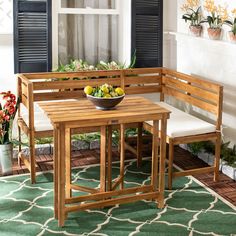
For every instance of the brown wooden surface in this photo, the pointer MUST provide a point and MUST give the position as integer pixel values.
(86, 114)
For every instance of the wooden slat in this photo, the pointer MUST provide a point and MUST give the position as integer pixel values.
(142, 71)
(60, 75)
(143, 89)
(24, 90)
(194, 101)
(23, 126)
(83, 188)
(47, 96)
(199, 92)
(193, 172)
(113, 201)
(24, 101)
(109, 116)
(98, 196)
(195, 138)
(143, 79)
(207, 84)
(72, 84)
(117, 182)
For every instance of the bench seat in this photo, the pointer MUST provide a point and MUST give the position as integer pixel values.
(182, 124)
(41, 121)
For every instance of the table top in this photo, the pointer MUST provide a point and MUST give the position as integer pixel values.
(82, 113)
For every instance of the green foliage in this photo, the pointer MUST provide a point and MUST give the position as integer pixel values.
(194, 16)
(196, 148)
(214, 20)
(228, 154)
(231, 24)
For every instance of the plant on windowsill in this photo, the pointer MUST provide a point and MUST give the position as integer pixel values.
(232, 23)
(215, 19)
(193, 14)
(8, 109)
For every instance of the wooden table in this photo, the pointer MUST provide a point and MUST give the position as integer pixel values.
(68, 115)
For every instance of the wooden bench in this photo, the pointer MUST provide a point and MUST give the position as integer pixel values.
(157, 84)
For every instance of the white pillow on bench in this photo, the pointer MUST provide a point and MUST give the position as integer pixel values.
(183, 124)
(41, 121)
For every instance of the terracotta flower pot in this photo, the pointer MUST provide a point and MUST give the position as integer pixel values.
(196, 30)
(232, 37)
(214, 33)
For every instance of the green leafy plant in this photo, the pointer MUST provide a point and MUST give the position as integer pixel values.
(192, 11)
(232, 22)
(217, 14)
(194, 17)
(196, 148)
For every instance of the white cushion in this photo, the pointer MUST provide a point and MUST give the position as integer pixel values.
(182, 124)
(41, 121)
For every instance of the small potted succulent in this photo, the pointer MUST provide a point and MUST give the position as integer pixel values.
(193, 14)
(8, 109)
(232, 23)
(215, 19)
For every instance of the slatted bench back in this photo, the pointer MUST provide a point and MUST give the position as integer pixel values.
(141, 81)
(59, 86)
(200, 93)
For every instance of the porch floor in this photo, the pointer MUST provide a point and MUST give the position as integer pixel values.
(226, 187)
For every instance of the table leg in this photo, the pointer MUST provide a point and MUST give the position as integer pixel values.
(139, 144)
(55, 167)
(122, 154)
(109, 158)
(155, 154)
(162, 162)
(61, 176)
(68, 163)
(103, 160)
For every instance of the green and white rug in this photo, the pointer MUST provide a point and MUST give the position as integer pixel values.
(191, 209)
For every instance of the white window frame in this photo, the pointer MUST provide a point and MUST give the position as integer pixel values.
(118, 10)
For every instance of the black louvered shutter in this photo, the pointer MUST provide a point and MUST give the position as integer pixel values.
(32, 36)
(147, 32)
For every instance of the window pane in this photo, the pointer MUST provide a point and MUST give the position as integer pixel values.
(88, 37)
(95, 4)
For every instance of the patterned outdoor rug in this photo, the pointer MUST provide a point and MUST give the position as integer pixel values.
(191, 209)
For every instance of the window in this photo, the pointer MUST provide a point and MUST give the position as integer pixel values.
(88, 29)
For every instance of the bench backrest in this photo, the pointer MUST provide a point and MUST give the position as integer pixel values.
(200, 93)
(35, 87)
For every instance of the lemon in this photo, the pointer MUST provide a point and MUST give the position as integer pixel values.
(88, 90)
(107, 96)
(119, 91)
(105, 90)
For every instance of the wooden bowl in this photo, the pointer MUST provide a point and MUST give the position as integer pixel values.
(105, 103)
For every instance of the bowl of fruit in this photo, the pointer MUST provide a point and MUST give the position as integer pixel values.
(104, 97)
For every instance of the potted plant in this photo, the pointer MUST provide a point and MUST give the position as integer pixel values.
(8, 109)
(218, 15)
(193, 15)
(232, 23)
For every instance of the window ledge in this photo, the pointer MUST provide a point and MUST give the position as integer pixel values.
(203, 39)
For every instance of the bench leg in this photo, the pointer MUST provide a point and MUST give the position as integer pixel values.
(217, 157)
(32, 158)
(170, 164)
